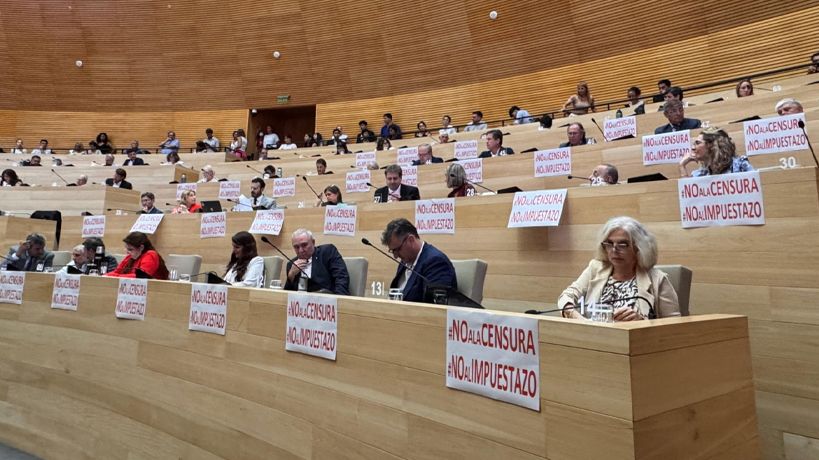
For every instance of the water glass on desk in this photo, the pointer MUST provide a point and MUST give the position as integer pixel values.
(184, 277)
(276, 284)
(396, 294)
(173, 274)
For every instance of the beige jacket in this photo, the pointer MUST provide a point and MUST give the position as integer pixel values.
(653, 285)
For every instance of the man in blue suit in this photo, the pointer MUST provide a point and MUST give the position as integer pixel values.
(322, 267)
(424, 259)
(30, 255)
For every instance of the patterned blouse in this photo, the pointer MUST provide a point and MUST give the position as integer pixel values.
(615, 290)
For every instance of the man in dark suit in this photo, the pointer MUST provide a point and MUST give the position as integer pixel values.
(317, 268)
(494, 145)
(395, 190)
(401, 238)
(30, 255)
(133, 160)
(118, 180)
(147, 199)
(425, 156)
(675, 113)
(576, 135)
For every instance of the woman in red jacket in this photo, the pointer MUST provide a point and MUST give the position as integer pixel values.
(142, 256)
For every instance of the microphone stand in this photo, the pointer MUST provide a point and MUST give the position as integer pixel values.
(286, 257)
(802, 127)
(253, 169)
(58, 175)
(475, 183)
(312, 189)
(599, 128)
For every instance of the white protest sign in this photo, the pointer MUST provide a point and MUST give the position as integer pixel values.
(357, 181)
(213, 225)
(339, 220)
(554, 162)
(726, 199)
(409, 175)
(268, 222)
(435, 216)
(182, 187)
(493, 355)
(473, 169)
(363, 159)
(11, 287)
(465, 150)
(66, 293)
(93, 226)
(147, 223)
(407, 155)
(541, 208)
(666, 148)
(208, 308)
(312, 325)
(774, 135)
(230, 190)
(615, 128)
(285, 186)
(132, 298)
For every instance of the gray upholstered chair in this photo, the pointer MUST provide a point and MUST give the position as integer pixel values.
(60, 258)
(272, 269)
(357, 268)
(680, 277)
(185, 264)
(471, 274)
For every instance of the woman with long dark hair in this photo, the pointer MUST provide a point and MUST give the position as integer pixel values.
(141, 256)
(245, 268)
(332, 196)
(10, 179)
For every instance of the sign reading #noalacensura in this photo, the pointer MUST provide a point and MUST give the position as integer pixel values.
(726, 199)
(541, 208)
(312, 325)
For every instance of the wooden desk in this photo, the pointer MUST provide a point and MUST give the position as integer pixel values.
(14, 229)
(95, 199)
(85, 384)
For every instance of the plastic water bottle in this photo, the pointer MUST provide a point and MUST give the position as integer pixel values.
(618, 114)
(183, 179)
(303, 281)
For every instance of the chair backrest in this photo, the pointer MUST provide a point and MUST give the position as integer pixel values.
(471, 274)
(61, 258)
(184, 264)
(272, 269)
(119, 257)
(357, 267)
(680, 277)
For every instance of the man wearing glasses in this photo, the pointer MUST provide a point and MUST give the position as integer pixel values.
(417, 258)
(316, 268)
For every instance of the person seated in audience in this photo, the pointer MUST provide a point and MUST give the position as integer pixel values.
(260, 141)
(79, 149)
(135, 148)
(580, 103)
(30, 255)
(133, 159)
(545, 122)
(446, 123)
(427, 262)
(366, 135)
(208, 175)
(456, 181)
(142, 256)
(788, 107)
(425, 156)
(95, 255)
(622, 275)
(78, 260)
(42, 149)
(34, 161)
(477, 123)
(373, 166)
(422, 130)
(269, 172)
(635, 102)
(102, 143)
(675, 114)
(576, 136)
(341, 148)
(316, 268)
(172, 159)
(170, 144)
(82, 180)
(246, 267)
(494, 145)
(716, 153)
(521, 116)
(385, 130)
(383, 144)
(745, 88)
(187, 203)
(10, 179)
(662, 87)
(118, 181)
(258, 200)
(336, 137)
(18, 148)
(208, 144)
(443, 138)
(239, 145)
(395, 190)
(674, 93)
(109, 160)
(313, 140)
(288, 143)
(814, 63)
(321, 167)
(604, 174)
(332, 196)
(147, 200)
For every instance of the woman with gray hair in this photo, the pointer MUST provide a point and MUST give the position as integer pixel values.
(622, 274)
(456, 180)
(716, 153)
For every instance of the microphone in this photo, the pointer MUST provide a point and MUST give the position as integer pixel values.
(312, 189)
(475, 183)
(239, 204)
(652, 314)
(286, 257)
(371, 185)
(123, 210)
(598, 127)
(543, 312)
(58, 175)
(578, 178)
(254, 169)
(802, 127)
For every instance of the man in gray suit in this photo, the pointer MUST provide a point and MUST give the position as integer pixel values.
(257, 198)
(30, 255)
